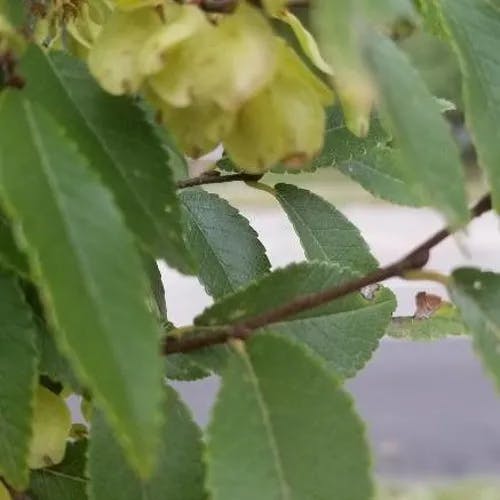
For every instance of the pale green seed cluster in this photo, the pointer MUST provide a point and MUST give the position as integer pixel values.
(224, 78)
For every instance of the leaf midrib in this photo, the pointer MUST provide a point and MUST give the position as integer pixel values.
(79, 258)
(266, 420)
(108, 154)
(208, 247)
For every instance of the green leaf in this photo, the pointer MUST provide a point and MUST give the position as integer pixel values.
(324, 232)
(429, 10)
(380, 173)
(115, 134)
(477, 295)
(341, 145)
(370, 161)
(338, 26)
(344, 332)
(433, 328)
(11, 256)
(179, 473)
(158, 304)
(176, 159)
(183, 367)
(15, 11)
(227, 249)
(65, 481)
(474, 29)
(177, 366)
(52, 363)
(282, 428)
(427, 151)
(88, 269)
(18, 359)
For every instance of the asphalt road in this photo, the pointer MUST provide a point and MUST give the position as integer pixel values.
(429, 408)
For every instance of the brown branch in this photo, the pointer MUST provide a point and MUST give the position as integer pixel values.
(212, 178)
(416, 259)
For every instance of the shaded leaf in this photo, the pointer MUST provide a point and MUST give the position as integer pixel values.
(18, 359)
(477, 295)
(426, 149)
(381, 175)
(124, 149)
(10, 255)
(179, 472)
(227, 249)
(341, 145)
(301, 437)
(435, 327)
(183, 367)
(324, 232)
(88, 269)
(177, 162)
(15, 11)
(344, 332)
(338, 26)
(65, 481)
(474, 30)
(429, 10)
(52, 363)
(158, 304)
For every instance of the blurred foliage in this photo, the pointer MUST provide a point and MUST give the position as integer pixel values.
(437, 64)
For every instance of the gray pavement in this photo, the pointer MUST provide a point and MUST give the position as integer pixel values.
(429, 409)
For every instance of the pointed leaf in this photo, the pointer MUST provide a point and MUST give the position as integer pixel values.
(123, 147)
(477, 295)
(344, 332)
(301, 437)
(90, 274)
(474, 29)
(324, 232)
(228, 250)
(427, 151)
(179, 472)
(18, 359)
(65, 481)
